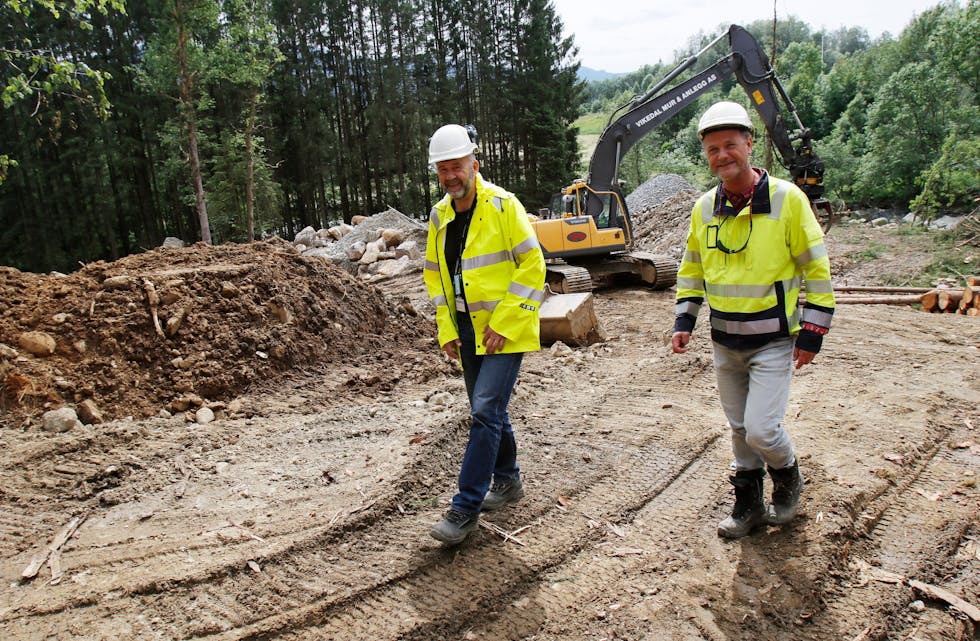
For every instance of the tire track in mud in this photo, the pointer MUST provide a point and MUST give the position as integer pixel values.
(905, 533)
(445, 593)
(202, 597)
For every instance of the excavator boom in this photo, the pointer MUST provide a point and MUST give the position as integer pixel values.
(590, 240)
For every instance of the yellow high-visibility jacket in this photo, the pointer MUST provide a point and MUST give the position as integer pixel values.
(773, 243)
(502, 267)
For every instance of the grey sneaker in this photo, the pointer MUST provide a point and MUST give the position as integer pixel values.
(503, 493)
(454, 527)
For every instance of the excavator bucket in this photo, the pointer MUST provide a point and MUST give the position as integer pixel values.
(571, 319)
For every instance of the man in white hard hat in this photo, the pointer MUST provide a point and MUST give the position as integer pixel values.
(753, 239)
(484, 271)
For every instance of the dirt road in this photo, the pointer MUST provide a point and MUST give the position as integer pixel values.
(308, 518)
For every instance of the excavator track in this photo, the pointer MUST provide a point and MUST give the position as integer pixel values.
(568, 279)
(659, 272)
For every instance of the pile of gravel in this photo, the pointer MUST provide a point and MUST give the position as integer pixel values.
(660, 210)
(657, 190)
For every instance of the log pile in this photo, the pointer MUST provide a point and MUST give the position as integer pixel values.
(949, 300)
(954, 300)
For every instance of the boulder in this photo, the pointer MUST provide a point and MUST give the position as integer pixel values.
(306, 236)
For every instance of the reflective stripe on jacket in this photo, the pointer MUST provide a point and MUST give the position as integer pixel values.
(753, 292)
(503, 270)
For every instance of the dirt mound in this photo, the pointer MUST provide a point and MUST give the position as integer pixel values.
(227, 317)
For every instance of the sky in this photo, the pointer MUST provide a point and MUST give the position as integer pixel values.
(624, 35)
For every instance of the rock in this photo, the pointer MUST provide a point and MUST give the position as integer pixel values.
(60, 420)
(80, 346)
(306, 236)
(60, 318)
(116, 282)
(204, 415)
(947, 222)
(230, 290)
(173, 243)
(357, 220)
(408, 248)
(392, 237)
(355, 251)
(878, 222)
(37, 343)
(440, 400)
(89, 412)
(390, 268)
(221, 467)
(8, 352)
(561, 349)
(371, 253)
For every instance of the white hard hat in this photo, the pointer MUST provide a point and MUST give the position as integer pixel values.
(450, 142)
(724, 115)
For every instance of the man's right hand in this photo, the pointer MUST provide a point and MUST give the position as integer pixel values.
(679, 341)
(452, 349)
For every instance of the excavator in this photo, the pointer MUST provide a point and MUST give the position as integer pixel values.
(588, 240)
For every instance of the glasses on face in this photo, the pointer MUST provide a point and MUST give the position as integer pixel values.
(713, 239)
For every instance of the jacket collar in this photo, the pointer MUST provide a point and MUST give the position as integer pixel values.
(760, 199)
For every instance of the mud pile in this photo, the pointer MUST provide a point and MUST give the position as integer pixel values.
(226, 317)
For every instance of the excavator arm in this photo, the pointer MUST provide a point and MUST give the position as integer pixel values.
(750, 66)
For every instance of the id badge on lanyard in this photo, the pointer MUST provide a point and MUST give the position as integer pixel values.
(458, 291)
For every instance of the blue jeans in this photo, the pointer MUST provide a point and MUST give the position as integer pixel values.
(491, 451)
(754, 388)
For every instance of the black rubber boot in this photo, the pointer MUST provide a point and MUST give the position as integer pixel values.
(786, 486)
(750, 507)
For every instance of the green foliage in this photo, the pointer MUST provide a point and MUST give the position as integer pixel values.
(226, 191)
(332, 102)
(952, 182)
(32, 67)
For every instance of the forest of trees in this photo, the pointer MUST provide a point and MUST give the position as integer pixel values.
(227, 120)
(896, 121)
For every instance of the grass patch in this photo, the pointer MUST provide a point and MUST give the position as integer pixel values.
(591, 124)
(871, 252)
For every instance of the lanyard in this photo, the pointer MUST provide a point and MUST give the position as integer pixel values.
(458, 268)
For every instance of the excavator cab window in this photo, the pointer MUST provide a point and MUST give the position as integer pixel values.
(608, 204)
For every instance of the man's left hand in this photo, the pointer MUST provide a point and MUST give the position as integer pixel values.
(802, 357)
(493, 341)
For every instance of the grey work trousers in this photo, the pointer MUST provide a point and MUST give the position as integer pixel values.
(753, 385)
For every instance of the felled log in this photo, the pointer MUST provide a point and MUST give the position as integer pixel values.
(895, 299)
(970, 298)
(949, 299)
(909, 299)
(881, 289)
(930, 301)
